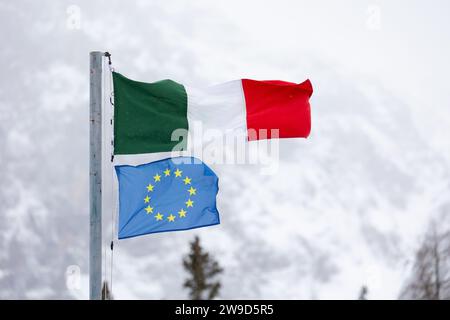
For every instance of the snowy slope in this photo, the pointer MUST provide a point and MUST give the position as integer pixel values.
(345, 208)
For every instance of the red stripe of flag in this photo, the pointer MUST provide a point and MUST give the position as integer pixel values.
(277, 105)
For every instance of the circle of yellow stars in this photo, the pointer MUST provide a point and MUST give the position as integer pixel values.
(182, 212)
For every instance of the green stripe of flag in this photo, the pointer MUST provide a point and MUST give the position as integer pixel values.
(146, 114)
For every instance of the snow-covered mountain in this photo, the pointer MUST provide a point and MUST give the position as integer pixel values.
(345, 208)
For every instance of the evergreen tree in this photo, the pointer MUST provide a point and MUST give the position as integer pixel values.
(203, 271)
(363, 293)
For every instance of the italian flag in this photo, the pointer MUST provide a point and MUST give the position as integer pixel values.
(147, 114)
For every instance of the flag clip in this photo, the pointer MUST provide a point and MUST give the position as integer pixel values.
(108, 56)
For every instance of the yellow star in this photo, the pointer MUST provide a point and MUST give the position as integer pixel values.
(147, 199)
(189, 203)
(149, 209)
(171, 218)
(187, 180)
(167, 172)
(182, 213)
(159, 216)
(150, 187)
(178, 173)
(157, 178)
(192, 191)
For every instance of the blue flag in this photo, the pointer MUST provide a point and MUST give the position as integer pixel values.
(167, 195)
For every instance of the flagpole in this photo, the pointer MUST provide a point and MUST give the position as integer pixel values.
(95, 176)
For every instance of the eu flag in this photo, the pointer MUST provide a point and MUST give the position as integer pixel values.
(167, 195)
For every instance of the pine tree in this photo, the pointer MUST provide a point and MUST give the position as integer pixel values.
(203, 271)
(363, 293)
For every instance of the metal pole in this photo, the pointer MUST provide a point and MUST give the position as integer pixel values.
(95, 176)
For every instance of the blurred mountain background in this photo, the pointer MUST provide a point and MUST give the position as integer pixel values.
(348, 207)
